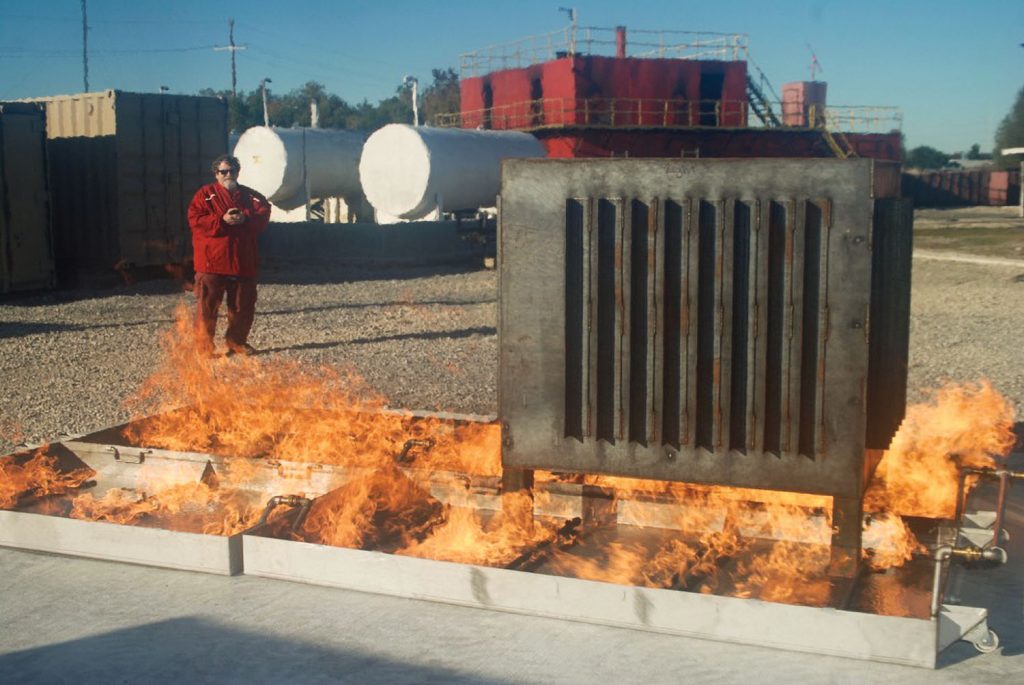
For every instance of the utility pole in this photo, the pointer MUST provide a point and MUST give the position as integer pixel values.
(414, 82)
(266, 113)
(85, 47)
(232, 48)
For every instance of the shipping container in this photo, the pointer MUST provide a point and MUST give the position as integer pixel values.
(123, 168)
(26, 249)
(962, 187)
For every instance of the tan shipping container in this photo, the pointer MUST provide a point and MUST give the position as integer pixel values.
(26, 249)
(123, 168)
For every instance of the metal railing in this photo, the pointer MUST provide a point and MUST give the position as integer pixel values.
(601, 112)
(666, 113)
(592, 40)
(863, 118)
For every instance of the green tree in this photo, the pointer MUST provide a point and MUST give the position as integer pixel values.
(441, 96)
(1011, 134)
(925, 157)
(976, 153)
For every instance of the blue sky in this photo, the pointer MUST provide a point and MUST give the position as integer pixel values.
(952, 67)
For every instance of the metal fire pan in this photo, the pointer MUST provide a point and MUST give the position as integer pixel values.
(115, 542)
(30, 527)
(909, 641)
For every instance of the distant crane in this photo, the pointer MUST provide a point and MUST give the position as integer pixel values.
(815, 63)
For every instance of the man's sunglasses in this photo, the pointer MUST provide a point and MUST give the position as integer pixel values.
(225, 172)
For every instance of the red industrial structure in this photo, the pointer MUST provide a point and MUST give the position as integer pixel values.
(684, 94)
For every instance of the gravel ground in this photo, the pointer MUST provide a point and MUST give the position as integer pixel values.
(424, 338)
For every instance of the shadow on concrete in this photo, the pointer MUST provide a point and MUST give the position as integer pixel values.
(432, 335)
(368, 305)
(18, 329)
(297, 273)
(193, 650)
(272, 272)
(163, 285)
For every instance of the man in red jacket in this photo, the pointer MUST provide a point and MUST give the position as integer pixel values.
(226, 219)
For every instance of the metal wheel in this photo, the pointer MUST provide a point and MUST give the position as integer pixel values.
(988, 643)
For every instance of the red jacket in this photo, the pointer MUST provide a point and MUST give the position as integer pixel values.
(220, 248)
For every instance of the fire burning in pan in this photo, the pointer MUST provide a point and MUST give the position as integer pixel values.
(427, 487)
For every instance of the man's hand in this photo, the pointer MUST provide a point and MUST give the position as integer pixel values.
(234, 216)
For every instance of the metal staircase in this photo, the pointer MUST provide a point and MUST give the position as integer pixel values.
(760, 105)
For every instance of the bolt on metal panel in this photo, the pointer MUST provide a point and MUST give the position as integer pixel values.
(689, 320)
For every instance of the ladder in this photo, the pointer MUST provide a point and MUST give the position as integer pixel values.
(838, 143)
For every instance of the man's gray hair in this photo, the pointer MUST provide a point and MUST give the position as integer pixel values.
(230, 159)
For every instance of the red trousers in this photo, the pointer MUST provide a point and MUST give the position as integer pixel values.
(210, 289)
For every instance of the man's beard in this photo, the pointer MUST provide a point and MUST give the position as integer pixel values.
(229, 183)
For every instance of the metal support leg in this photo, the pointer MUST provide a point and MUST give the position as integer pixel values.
(847, 515)
(517, 494)
(598, 506)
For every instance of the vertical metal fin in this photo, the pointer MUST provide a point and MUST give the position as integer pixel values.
(795, 268)
(674, 260)
(623, 263)
(759, 328)
(744, 281)
(724, 325)
(640, 321)
(576, 314)
(814, 279)
(592, 274)
(690, 382)
(655, 324)
(708, 297)
(776, 328)
(606, 335)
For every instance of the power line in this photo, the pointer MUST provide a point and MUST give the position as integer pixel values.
(31, 52)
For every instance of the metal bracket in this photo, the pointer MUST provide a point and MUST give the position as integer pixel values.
(424, 445)
(126, 457)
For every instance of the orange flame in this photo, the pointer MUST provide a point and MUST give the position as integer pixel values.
(191, 507)
(39, 476)
(960, 426)
(249, 407)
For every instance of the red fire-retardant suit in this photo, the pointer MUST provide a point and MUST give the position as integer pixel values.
(226, 259)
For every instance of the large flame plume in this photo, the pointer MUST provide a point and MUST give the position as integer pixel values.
(397, 479)
(967, 425)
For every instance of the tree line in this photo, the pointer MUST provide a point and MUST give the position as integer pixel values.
(293, 108)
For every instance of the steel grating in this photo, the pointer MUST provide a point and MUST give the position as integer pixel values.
(691, 320)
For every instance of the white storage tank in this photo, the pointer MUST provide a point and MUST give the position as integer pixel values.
(292, 165)
(407, 172)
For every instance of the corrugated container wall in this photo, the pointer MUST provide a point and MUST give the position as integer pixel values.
(124, 167)
(26, 250)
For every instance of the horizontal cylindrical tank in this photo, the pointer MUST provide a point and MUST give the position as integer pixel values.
(291, 165)
(408, 171)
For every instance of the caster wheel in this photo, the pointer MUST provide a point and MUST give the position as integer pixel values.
(987, 644)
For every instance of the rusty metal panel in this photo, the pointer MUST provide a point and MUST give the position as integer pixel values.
(690, 320)
(125, 166)
(26, 248)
